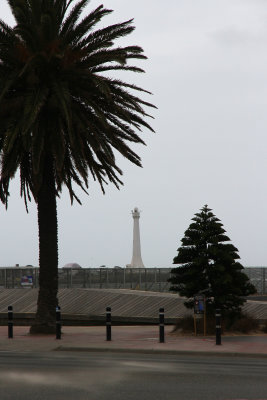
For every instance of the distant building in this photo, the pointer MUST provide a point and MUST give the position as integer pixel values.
(72, 266)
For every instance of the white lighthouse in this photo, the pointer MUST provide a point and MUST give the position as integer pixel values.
(136, 259)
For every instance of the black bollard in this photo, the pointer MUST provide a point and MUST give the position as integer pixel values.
(218, 327)
(58, 323)
(161, 325)
(10, 322)
(108, 323)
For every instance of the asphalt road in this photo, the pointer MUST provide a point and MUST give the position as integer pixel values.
(114, 376)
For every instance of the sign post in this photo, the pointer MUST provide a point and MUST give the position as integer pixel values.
(199, 309)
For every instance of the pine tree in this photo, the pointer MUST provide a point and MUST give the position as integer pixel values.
(209, 266)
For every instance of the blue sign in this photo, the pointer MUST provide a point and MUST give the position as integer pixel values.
(199, 304)
(26, 280)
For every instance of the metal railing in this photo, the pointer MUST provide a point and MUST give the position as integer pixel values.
(151, 279)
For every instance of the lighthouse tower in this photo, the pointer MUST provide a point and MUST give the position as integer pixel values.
(136, 259)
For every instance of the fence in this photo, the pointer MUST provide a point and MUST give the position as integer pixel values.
(151, 279)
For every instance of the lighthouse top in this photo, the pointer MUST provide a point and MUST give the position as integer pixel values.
(136, 213)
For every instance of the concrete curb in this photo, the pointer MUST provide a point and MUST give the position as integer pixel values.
(160, 351)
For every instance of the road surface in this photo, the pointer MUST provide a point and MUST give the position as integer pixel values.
(115, 376)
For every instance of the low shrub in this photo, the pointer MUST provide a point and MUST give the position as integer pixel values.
(264, 327)
(240, 324)
(245, 324)
(184, 325)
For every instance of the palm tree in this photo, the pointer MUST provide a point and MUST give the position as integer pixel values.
(62, 116)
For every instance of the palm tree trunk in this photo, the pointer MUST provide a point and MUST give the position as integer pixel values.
(48, 253)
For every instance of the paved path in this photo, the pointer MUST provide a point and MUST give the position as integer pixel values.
(130, 338)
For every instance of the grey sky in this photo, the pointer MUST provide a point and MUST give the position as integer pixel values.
(207, 69)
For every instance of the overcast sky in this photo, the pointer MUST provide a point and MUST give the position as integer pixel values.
(207, 69)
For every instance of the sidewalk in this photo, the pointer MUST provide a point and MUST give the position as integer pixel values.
(143, 339)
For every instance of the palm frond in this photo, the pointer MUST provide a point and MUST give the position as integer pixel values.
(57, 102)
(73, 16)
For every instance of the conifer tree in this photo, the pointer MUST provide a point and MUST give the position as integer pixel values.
(209, 266)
